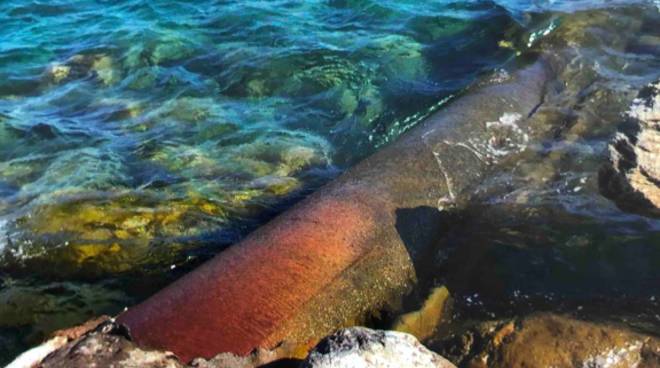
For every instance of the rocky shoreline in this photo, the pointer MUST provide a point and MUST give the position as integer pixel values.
(536, 341)
(630, 177)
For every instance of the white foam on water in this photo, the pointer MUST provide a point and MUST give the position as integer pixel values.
(535, 36)
(646, 111)
(516, 139)
(442, 202)
(507, 119)
(3, 234)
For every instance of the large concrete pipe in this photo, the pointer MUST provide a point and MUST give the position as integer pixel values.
(351, 247)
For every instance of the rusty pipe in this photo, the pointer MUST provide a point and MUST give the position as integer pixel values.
(346, 250)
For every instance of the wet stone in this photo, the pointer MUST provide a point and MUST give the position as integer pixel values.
(104, 343)
(360, 347)
(107, 346)
(548, 340)
(632, 176)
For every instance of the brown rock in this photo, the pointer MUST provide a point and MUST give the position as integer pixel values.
(107, 346)
(548, 340)
(77, 331)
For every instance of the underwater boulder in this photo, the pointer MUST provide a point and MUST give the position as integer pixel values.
(404, 57)
(101, 66)
(89, 237)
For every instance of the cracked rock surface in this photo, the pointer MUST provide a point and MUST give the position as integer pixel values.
(632, 176)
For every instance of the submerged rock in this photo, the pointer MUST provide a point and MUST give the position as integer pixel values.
(67, 305)
(549, 340)
(277, 185)
(362, 347)
(100, 66)
(632, 176)
(97, 235)
(403, 56)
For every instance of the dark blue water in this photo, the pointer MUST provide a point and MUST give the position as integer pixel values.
(138, 138)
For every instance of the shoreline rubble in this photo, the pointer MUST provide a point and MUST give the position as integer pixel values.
(535, 341)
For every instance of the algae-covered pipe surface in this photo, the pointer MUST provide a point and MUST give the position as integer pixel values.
(350, 248)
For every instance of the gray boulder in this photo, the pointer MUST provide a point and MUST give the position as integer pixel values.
(632, 176)
(360, 347)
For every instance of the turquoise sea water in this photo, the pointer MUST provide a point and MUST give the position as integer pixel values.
(138, 138)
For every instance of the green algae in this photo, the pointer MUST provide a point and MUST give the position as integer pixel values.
(189, 109)
(433, 28)
(79, 171)
(280, 153)
(114, 230)
(108, 236)
(143, 78)
(164, 47)
(171, 48)
(403, 56)
(213, 131)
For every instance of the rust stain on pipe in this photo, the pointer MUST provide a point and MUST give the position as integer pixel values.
(245, 297)
(339, 254)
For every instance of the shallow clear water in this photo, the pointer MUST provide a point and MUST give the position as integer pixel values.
(139, 138)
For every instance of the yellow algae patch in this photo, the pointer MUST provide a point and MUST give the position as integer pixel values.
(296, 158)
(100, 65)
(122, 218)
(503, 332)
(283, 187)
(134, 109)
(505, 44)
(59, 72)
(276, 185)
(423, 323)
(122, 234)
(105, 69)
(116, 233)
(186, 158)
(86, 251)
(243, 196)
